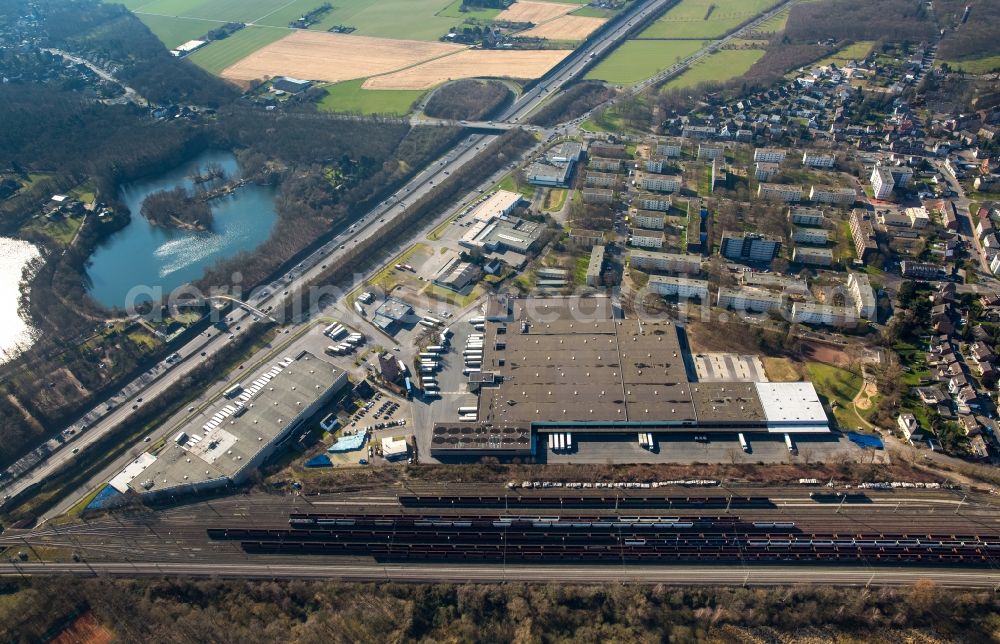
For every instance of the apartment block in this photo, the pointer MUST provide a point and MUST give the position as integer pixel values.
(656, 164)
(810, 236)
(645, 260)
(863, 233)
(648, 219)
(684, 288)
(749, 299)
(882, 182)
(813, 256)
(710, 152)
(750, 247)
(601, 180)
(586, 238)
(813, 313)
(779, 192)
(669, 149)
(660, 182)
(646, 238)
(653, 202)
(765, 171)
(769, 155)
(606, 164)
(838, 196)
(597, 195)
(862, 295)
(818, 160)
(806, 216)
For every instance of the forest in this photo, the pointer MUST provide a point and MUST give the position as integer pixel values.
(185, 610)
(572, 102)
(473, 100)
(978, 36)
(887, 20)
(177, 208)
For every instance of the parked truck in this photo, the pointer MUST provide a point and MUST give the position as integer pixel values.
(744, 444)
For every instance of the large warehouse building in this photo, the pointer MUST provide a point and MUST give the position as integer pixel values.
(559, 364)
(236, 433)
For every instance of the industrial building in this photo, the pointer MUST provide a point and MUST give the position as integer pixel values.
(556, 167)
(235, 434)
(568, 365)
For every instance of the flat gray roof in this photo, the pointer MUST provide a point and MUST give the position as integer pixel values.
(274, 396)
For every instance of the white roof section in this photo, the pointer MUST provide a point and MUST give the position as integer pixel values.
(792, 406)
(394, 447)
(190, 46)
(497, 205)
(132, 470)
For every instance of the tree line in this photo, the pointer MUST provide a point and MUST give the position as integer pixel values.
(307, 611)
(469, 99)
(572, 102)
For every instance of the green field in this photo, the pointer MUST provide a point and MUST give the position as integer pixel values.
(637, 60)
(775, 23)
(977, 65)
(413, 19)
(176, 31)
(720, 66)
(687, 19)
(839, 387)
(218, 55)
(454, 11)
(350, 97)
(855, 51)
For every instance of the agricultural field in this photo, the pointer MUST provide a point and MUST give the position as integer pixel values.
(705, 18)
(218, 55)
(637, 60)
(349, 96)
(336, 57)
(718, 67)
(471, 63)
(535, 12)
(567, 27)
(454, 11)
(175, 31)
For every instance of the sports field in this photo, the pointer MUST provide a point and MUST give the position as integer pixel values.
(471, 63)
(349, 96)
(705, 18)
(637, 60)
(565, 28)
(535, 12)
(335, 57)
(720, 66)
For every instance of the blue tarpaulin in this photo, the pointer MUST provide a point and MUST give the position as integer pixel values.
(105, 498)
(348, 443)
(319, 461)
(866, 440)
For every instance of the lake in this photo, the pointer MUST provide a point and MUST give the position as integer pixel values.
(15, 333)
(147, 256)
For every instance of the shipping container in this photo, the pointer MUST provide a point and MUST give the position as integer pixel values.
(477, 320)
(361, 311)
(569, 442)
(468, 410)
(468, 418)
(552, 442)
(435, 348)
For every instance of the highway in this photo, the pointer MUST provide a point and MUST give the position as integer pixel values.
(105, 418)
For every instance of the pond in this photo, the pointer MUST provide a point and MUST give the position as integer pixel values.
(142, 256)
(15, 332)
